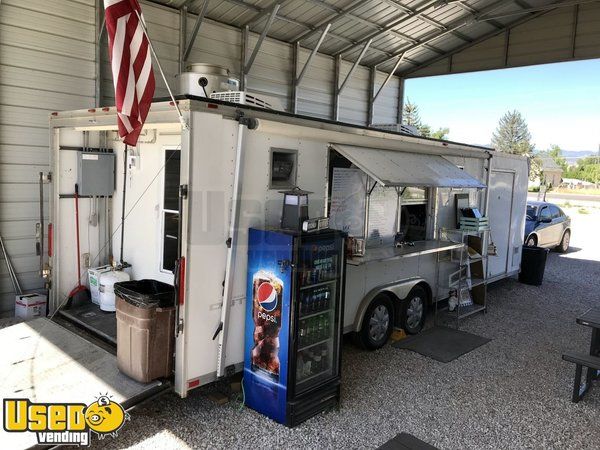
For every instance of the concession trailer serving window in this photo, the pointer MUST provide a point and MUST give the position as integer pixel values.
(376, 193)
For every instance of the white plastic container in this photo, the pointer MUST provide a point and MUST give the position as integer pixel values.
(107, 288)
(94, 274)
(30, 306)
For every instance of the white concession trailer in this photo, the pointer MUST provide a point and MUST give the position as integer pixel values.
(194, 191)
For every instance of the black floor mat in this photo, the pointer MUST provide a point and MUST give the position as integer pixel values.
(405, 441)
(442, 344)
(91, 317)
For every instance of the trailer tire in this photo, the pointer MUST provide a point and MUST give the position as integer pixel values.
(413, 310)
(377, 323)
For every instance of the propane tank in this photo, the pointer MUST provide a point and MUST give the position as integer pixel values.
(107, 288)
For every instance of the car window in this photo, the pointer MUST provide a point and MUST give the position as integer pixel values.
(554, 211)
(545, 213)
(531, 212)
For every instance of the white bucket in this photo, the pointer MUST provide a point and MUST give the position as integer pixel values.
(107, 285)
(94, 274)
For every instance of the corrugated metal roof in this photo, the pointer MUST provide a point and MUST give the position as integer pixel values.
(417, 31)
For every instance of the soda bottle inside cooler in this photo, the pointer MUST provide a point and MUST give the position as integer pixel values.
(324, 356)
(327, 299)
(317, 361)
(326, 326)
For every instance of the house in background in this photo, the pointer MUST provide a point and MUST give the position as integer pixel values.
(551, 172)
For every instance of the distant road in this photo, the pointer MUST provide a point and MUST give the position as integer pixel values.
(552, 196)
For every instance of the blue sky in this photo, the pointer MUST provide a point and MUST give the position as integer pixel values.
(560, 102)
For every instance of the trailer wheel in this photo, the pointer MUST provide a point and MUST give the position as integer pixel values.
(413, 309)
(377, 324)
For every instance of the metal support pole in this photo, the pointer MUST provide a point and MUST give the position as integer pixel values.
(335, 113)
(245, 37)
(389, 77)
(182, 36)
(231, 251)
(400, 100)
(160, 69)
(506, 46)
(295, 56)
(574, 30)
(355, 65)
(195, 31)
(98, 50)
(263, 35)
(313, 53)
(370, 110)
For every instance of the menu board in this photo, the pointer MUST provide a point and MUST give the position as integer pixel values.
(348, 190)
(382, 216)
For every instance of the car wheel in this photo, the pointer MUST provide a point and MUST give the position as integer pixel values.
(413, 310)
(531, 241)
(564, 243)
(377, 324)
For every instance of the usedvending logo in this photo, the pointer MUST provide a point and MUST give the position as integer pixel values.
(267, 296)
(64, 423)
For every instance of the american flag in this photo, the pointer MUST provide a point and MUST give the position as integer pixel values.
(131, 62)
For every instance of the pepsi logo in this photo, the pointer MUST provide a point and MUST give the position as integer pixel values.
(267, 296)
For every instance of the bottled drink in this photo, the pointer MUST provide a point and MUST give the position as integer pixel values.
(299, 367)
(324, 356)
(320, 330)
(311, 331)
(307, 368)
(317, 361)
(326, 332)
(327, 299)
(302, 332)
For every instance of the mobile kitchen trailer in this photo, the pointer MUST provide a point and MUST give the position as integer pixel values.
(195, 191)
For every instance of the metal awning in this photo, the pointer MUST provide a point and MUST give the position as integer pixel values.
(394, 168)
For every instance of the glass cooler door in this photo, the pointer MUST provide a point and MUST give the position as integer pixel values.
(317, 311)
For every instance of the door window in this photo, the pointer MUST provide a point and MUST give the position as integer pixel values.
(545, 213)
(555, 212)
(170, 210)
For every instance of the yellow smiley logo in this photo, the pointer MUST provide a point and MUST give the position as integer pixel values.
(105, 416)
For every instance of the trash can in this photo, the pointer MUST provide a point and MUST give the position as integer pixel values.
(145, 329)
(533, 264)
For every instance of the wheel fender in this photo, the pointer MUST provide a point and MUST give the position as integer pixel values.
(397, 289)
(530, 235)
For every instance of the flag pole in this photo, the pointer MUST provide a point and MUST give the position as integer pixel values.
(145, 30)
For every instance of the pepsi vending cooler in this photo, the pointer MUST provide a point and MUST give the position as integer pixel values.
(293, 323)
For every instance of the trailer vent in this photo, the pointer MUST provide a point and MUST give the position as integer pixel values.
(242, 98)
(398, 128)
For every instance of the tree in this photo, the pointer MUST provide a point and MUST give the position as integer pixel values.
(555, 152)
(587, 169)
(410, 114)
(512, 135)
(441, 133)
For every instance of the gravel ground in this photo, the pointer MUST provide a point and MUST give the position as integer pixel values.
(513, 392)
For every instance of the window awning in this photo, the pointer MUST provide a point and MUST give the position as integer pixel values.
(392, 168)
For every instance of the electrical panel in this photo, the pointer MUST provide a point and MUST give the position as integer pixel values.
(96, 173)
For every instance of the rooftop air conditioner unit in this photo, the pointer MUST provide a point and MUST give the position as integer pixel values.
(398, 128)
(242, 98)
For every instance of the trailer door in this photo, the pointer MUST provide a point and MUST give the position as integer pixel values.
(502, 186)
(46, 363)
